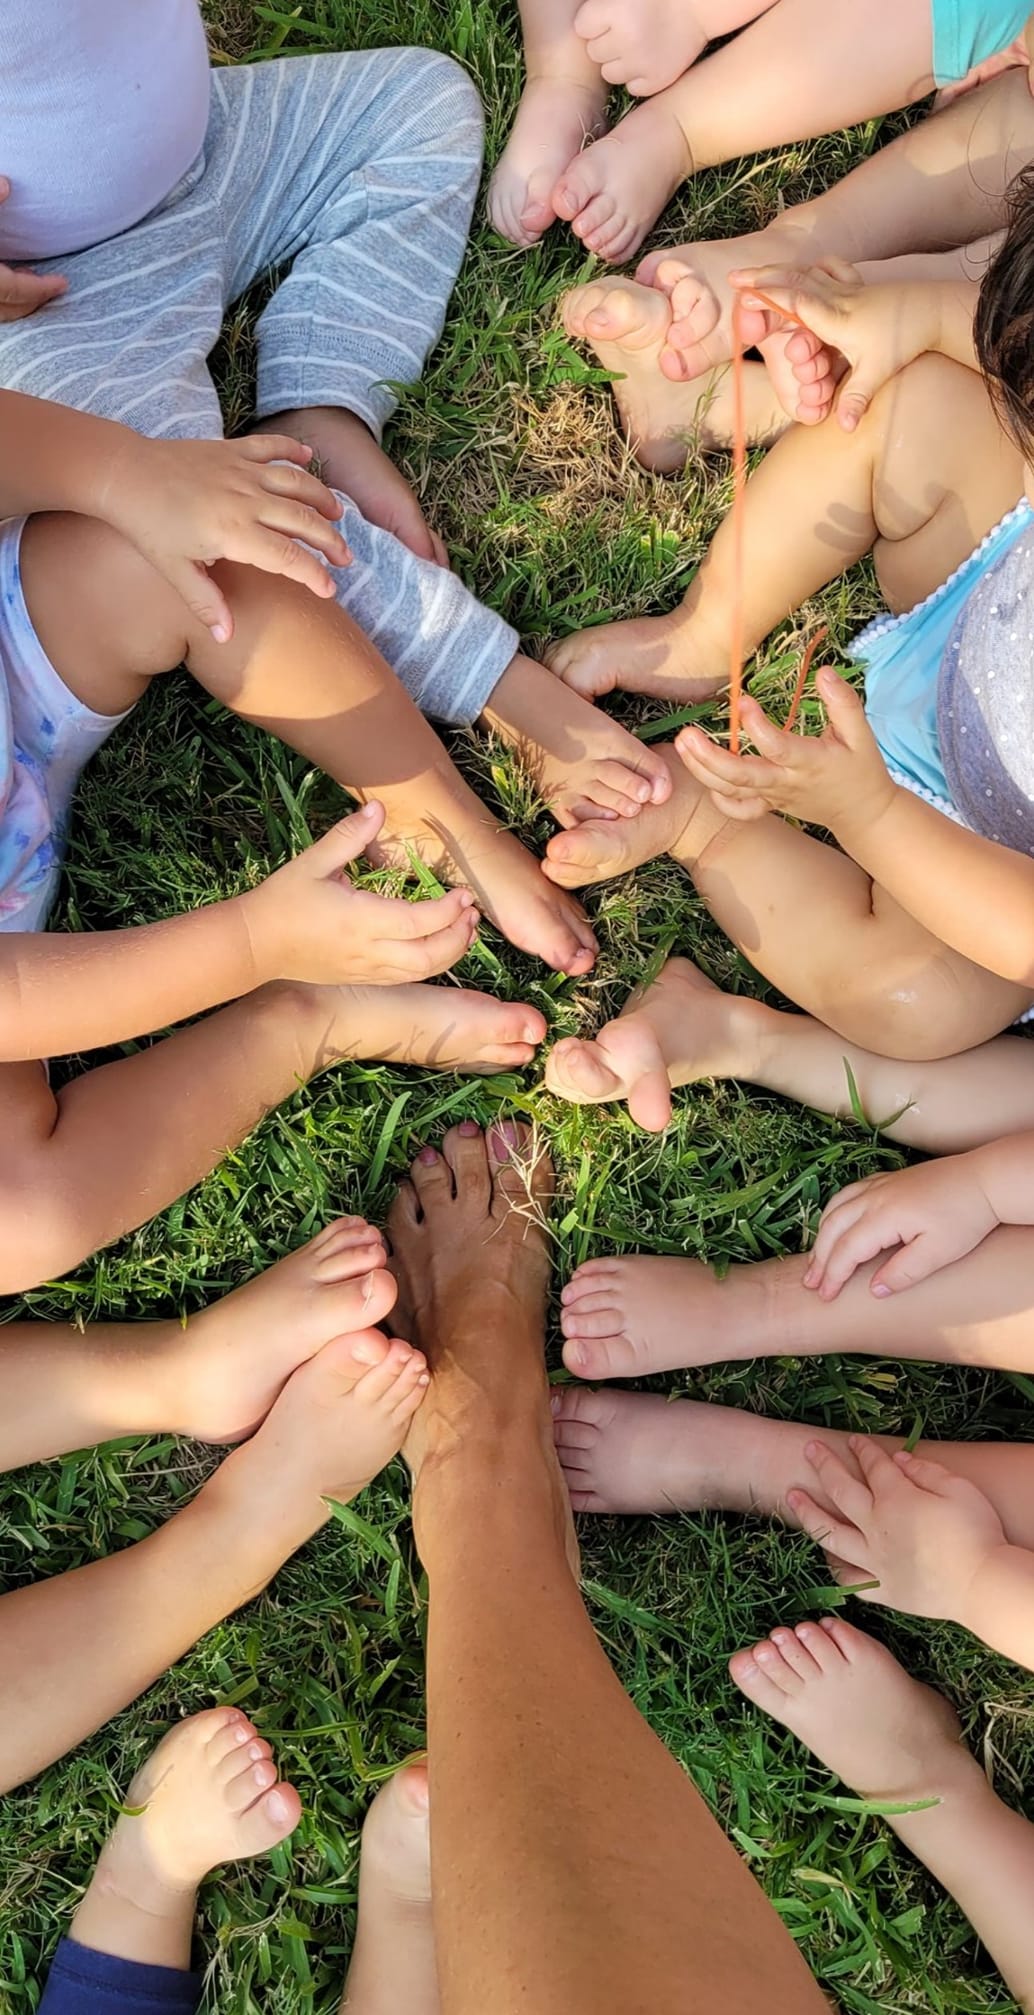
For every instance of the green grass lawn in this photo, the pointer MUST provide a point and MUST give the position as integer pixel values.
(510, 441)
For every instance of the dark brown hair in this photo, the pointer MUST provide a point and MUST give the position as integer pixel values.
(1003, 329)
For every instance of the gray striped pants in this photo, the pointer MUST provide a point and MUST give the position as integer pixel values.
(357, 172)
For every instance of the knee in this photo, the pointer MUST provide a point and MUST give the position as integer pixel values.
(919, 1012)
(444, 101)
(43, 1235)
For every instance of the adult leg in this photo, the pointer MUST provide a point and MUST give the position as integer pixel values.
(76, 1649)
(899, 1743)
(596, 1877)
(563, 105)
(798, 71)
(629, 1318)
(683, 1028)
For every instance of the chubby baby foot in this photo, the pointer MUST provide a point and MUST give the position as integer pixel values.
(209, 1793)
(597, 852)
(629, 1318)
(638, 1452)
(614, 192)
(643, 44)
(844, 1695)
(678, 1030)
(436, 1027)
(393, 1958)
(555, 118)
(628, 326)
(584, 765)
(224, 1369)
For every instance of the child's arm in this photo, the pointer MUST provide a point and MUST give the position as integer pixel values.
(975, 896)
(926, 1217)
(183, 504)
(927, 1542)
(307, 922)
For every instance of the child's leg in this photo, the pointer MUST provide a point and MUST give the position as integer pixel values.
(639, 1452)
(213, 1377)
(630, 1318)
(898, 1742)
(801, 70)
(76, 1649)
(208, 1794)
(393, 1959)
(563, 104)
(684, 1028)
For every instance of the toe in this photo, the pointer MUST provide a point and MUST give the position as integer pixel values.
(752, 1679)
(361, 1304)
(793, 1649)
(378, 1384)
(843, 1640)
(589, 1319)
(272, 1816)
(230, 1732)
(775, 1668)
(578, 1071)
(601, 1357)
(240, 1761)
(431, 1178)
(466, 1151)
(576, 187)
(521, 1170)
(404, 1214)
(587, 1277)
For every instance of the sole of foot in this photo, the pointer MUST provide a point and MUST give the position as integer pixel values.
(844, 1695)
(680, 1029)
(232, 1359)
(393, 1960)
(437, 1027)
(627, 326)
(554, 120)
(210, 1793)
(583, 765)
(694, 280)
(629, 1318)
(613, 194)
(598, 851)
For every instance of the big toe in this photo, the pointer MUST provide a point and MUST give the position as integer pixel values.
(578, 1071)
(578, 185)
(361, 1304)
(396, 1847)
(609, 1355)
(590, 852)
(273, 1816)
(521, 1168)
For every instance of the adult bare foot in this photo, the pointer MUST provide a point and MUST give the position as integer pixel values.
(627, 327)
(222, 1371)
(353, 462)
(393, 1968)
(438, 1027)
(629, 1318)
(208, 1794)
(555, 118)
(583, 765)
(613, 194)
(845, 1696)
(680, 1029)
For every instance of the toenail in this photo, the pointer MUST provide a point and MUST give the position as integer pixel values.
(276, 1806)
(556, 1400)
(468, 1128)
(428, 1155)
(365, 1353)
(255, 1750)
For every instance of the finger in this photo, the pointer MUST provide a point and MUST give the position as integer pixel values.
(823, 1526)
(879, 1471)
(855, 1246)
(847, 1575)
(420, 959)
(925, 1474)
(843, 705)
(275, 448)
(770, 741)
(395, 921)
(297, 521)
(743, 809)
(304, 488)
(21, 293)
(835, 1220)
(839, 269)
(748, 772)
(205, 600)
(347, 839)
(841, 1484)
(856, 396)
(912, 1263)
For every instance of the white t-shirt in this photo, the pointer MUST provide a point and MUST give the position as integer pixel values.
(103, 106)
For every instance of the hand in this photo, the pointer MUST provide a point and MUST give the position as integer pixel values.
(922, 1534)
(934, 1214)
(873, 330)
(308, 921)
(186, 504)
(835, 780)
(21, 291)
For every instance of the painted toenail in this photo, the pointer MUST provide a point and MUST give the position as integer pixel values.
(428, 1155)
(556, 1401)
(468, 1128)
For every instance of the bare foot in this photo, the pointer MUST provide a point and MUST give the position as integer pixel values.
(338, 1421)
(224, 1369)
(596, 852)
(845, 1696)
(438, 1027)
(555, 118)
(679, 1030)
(613, 194)
(352, 461)
(393, 1969)
(695, 282)
(208, 1794)
(640, 1452)
(643, 44)
(628, 1318)
(627, 326)
(584, 766)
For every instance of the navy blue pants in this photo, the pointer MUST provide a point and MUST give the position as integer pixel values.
(93, 1983)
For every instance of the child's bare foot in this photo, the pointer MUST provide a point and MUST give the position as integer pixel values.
(640, 1452)
(680, 1029)
(223, 1371)
(667, 657)
(596, 852)
(695, 282)
(438, 1027)
(555, 118)
(643, 44)
(627, 326)
(584, 765)
(353, 462)
(613, 194)
(393, 1969)
(845, 1696)
(628, 1318)
(208, 1794)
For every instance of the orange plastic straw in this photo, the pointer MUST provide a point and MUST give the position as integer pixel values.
(739, 494)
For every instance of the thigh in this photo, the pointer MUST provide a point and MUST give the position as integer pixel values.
(951, 1004)
(946, 473)
(107, 622)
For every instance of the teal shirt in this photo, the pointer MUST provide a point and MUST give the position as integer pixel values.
(967, 32)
